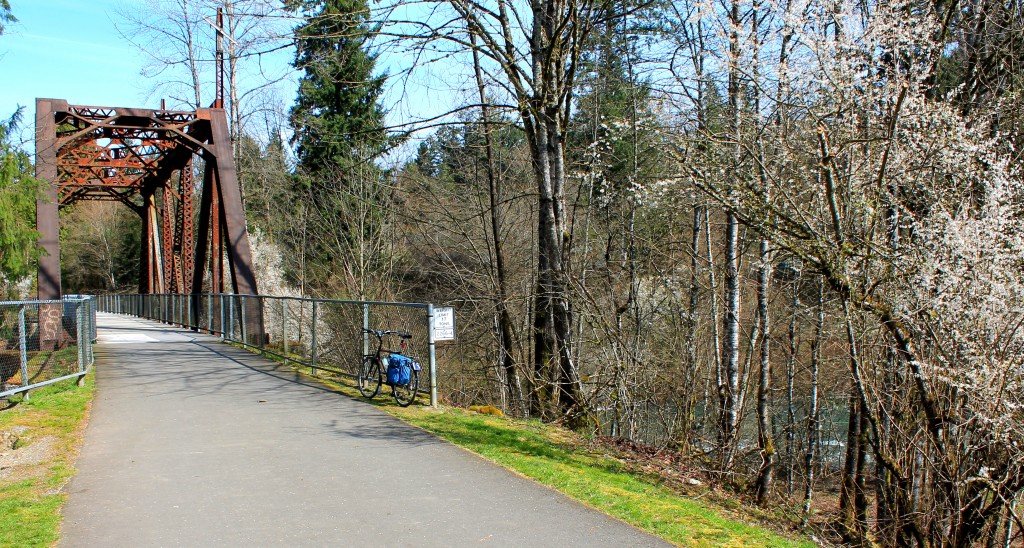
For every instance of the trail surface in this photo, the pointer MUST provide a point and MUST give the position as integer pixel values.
(195, 443)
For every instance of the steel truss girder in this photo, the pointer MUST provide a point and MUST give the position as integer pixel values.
(144, 159)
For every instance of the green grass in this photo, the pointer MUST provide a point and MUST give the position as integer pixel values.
(30, 502)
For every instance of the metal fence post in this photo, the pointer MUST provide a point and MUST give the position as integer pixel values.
(433, 355)
(314, 352)
(366, 325)
(231, 317)
(92, 334)
(221, 298)
(245, 340)
(22, 348)
(82, 337)
(284, 328)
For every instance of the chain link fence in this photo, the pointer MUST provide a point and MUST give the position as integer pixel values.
(43, 342)
(325, 335)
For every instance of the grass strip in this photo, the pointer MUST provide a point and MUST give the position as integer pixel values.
(31, 497)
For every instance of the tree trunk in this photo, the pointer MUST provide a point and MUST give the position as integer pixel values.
(812, 415)
(764, 427)
(729, 392)
(503, 316)
(765, 441)
(693, 318)
(848, 488)
(853, 494)
(716, 336)
(790, 396)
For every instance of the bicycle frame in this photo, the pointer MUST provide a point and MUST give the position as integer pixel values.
(373, 369)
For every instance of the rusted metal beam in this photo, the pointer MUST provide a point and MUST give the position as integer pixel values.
(239, 253)
(216, 237)
(48, 286)
(188, 235)
(146, 263)
(237, 238)
(203, 234)
(168, 217)
(131, 155)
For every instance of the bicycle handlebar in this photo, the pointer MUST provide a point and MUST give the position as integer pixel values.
(381, 334)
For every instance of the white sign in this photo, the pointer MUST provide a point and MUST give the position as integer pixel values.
(444, 324)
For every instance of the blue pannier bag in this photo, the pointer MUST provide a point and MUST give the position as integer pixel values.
(399, 369)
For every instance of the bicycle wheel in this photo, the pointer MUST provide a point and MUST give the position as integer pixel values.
(370, 377)
(405, 393)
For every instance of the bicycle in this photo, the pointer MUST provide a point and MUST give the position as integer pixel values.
(401, 372)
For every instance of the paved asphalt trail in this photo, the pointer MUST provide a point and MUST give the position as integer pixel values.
(195, 443)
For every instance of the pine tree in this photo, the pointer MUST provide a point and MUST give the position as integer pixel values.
(337, 118)
(17, 209)
(339, 194)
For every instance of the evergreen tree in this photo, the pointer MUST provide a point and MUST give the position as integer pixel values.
(336, 117)
(340, 194)
(17, 208)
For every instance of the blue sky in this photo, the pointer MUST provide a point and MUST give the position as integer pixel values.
(67, 49)
(71, 49)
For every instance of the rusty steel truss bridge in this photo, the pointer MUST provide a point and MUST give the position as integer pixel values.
(147, 160)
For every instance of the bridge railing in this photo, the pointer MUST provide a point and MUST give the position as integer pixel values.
(43, 342)
(325, 335)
